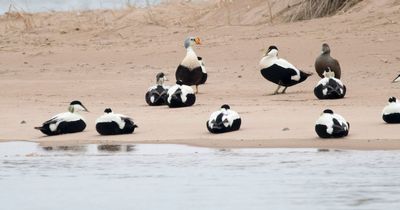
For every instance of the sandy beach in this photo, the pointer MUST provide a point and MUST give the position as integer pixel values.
(110, 58)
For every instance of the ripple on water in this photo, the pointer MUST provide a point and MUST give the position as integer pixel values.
(183, 177)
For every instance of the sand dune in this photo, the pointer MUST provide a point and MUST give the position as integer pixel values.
(110, 58)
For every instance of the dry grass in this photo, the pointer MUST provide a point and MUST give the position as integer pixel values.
(309, 9)
(15, 16)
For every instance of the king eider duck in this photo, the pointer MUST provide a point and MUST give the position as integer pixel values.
(329, 87)
(391, 112)
(397, 79)
(191, 71)
(180, 95)
(224, 120)
(330, 125)
(114, 124)
(279, 71)
(325, 60)
(67, 122)
(157, 94)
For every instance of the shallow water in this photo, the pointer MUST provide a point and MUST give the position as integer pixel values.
(69, 5)
(172, 177)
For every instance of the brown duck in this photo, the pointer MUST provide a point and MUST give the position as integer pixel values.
(325, 60)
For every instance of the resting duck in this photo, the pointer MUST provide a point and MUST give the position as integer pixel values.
(331, 125)
(67, 122)
(224, 120)
(391, 112)
(329, 87)
(180, 95)
(114, 124)
(157, 94)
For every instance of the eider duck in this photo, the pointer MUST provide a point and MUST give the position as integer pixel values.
(180, 95)
(325, 60)
(391, 112)
(157, 94)
(67, 122)
(114, 124)
(279, 71)
(191, 71)
(224, 120)
(330, 125)
(397, 79)
(329, 87)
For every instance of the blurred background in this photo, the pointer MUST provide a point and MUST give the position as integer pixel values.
(68, 5)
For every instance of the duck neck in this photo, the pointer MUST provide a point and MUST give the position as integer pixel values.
(160, 82)
(190, 59)
(190, 52)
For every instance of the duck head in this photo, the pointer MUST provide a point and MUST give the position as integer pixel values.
(191, 41)
(392, 100)
(272, 51)
(108, 111)
(327, 111)
(77, 106)
(161, 78)
(325, 49)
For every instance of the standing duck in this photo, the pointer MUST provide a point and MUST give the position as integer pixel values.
(280, 71)
(331, 125)
(329, 87)
(325, 60)
(180, 95)
(67, 122)
(224, 120)
(157, 94)
(114, 124)
(191, 71)
(391, 112)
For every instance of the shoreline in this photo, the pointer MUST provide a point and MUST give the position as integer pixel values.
(329, 144)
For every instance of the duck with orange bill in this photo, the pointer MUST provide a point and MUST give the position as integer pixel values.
(191, 70)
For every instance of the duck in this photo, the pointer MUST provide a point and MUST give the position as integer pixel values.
(397, 79)
(180, 95)
(280, 71)
(157, 94)
(67, 122)
(331, 125)
(114, 124)
(224, 120)
(325, 60)
(391, 112)
(191, 70)
(329, 87)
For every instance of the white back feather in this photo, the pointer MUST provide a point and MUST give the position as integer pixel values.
(185, 91)
(111, 117)
(391, 108)
(64, 117)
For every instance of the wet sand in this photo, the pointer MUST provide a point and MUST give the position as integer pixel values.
(110, 58)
